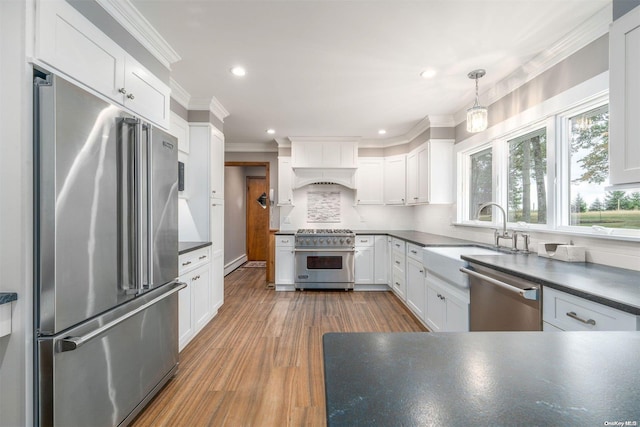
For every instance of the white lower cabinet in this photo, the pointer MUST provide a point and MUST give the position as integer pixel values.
(364, 260)
(380, 260)
(447, 309)
(217, 281)
(566, 312)
(195, 307)
(416, 287)
(285, 260)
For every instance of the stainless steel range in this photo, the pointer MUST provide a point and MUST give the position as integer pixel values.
(324, 259)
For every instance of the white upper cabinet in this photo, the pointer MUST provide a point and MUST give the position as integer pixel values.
(70, 44)
(285, 181)
(307, 153)
(370, 181)
(430, 173)
(395, 180)
(624, 99)
(217, 164)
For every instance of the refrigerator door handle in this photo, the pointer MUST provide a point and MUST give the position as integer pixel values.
(148, 217)
(73, 343)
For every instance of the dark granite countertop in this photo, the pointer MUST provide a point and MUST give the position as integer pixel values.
(615, 287)
(419, 238)
(7, 297)
(184, 247)
(482, 378)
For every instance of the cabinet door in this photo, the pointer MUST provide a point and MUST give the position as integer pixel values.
(394, 183)
(285, 195)
(412, 178)
(415, 287)
(185, 313)
(457, 315)
(284, 264)
(422, 175)
(217, 164)
(398, 283)
(216, 225)
(381, 260)
(364, 264)
(146, 94)
(217, 281)
(435, 315)
(67, 41)
(370, 181)
(201, 294)
(624, 99)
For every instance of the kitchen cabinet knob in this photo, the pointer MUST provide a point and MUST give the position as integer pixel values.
(413, 252)
(421, 271)
(122, 91)
(130, 96)
(213, 191)
(186, 263)
(415, 198)
(398, 262)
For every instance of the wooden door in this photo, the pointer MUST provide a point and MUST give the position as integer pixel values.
(257, 218)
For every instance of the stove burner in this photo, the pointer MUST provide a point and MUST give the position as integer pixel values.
(324, 231)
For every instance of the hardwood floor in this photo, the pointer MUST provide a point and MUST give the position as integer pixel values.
(259, 361)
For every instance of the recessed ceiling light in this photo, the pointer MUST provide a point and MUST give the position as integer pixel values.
(382, 132)
(428, 74)
(238, 71)
(271, 131)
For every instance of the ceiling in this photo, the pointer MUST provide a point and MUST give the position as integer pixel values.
(349, 68)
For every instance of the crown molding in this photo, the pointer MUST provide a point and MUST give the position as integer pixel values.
(218, 109)
(432, 121)
(127, 15)
(178, 93)
(209, 104)
(590, 30)
(324, 138)
(249, 147)
(283, 142)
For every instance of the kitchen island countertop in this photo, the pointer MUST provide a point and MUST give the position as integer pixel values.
(482, 378)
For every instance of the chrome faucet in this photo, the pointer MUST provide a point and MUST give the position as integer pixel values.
(505, 234)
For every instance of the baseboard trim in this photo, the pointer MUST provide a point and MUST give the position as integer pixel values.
(228, 268)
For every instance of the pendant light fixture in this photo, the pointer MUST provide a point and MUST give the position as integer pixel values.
(476, 115)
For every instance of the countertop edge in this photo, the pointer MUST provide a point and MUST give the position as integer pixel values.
(191, 246)
(7, 297)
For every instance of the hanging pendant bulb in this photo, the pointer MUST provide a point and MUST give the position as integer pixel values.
(477, 117)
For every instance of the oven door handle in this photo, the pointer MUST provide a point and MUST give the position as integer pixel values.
(324, 250)
(529, 293)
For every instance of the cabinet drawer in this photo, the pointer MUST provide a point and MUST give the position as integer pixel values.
(365, 240)
(572, 313)
(285, 240)
(194, 259)
(398, 245)
(414, 251)
(399, 261)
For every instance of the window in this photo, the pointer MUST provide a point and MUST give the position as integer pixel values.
(527, 180)
(480, 183)
(552, 173)
(590, 203)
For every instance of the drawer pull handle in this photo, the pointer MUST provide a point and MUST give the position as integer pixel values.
(397, 284)
(202, 257)
(397, 245)
(186, 263)
(414, 252)
(398, 262)
(285, 241)
(573, 315)
(364, 240)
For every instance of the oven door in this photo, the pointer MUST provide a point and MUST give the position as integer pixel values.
(319, 268)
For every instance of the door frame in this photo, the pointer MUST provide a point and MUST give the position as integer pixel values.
(268, 182)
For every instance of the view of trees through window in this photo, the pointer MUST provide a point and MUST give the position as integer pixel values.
(527, 187)
(591, 204)
(480, 185)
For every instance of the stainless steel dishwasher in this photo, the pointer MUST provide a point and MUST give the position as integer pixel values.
(502, 302)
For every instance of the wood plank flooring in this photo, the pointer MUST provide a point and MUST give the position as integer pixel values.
(259, 361)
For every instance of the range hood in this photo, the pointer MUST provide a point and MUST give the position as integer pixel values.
(341, 176)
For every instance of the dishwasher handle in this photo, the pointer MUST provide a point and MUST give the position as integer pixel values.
(528, 293)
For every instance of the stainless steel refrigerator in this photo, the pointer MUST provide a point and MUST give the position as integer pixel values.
(106, 258)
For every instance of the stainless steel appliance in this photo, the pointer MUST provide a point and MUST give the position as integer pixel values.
(324, 259)
(502, 302)
(106, 258)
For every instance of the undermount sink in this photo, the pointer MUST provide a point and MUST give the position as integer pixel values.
(446, 263)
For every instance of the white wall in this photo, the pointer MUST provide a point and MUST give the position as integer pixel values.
(235, 216)
(353, 217)
(16, 212)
